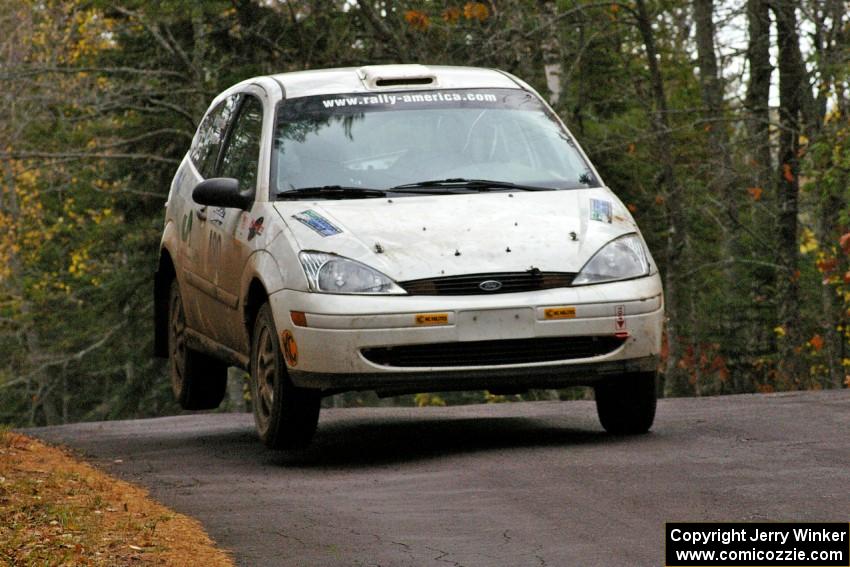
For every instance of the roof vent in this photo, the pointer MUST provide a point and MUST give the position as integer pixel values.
(389, 76)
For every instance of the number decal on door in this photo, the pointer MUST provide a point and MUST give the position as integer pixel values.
(214, 250)
(186, 228)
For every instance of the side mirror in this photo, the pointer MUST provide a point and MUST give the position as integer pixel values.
(222, 192)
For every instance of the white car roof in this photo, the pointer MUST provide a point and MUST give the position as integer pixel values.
(382, 78)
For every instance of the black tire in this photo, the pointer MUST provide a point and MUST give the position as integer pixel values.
(626, 404)
(198, 381)
(286, 416)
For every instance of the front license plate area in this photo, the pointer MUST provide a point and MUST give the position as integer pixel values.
(495, 324)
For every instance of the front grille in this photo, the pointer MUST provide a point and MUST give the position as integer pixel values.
(490, 353)
(511, 282)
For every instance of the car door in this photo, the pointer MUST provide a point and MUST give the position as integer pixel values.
(228, 248)
(199, 288)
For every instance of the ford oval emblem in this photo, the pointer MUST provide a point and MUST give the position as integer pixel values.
(490, 285)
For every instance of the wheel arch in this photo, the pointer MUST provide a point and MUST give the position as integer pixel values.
(255, 297)
(261, 278)
(165, 274)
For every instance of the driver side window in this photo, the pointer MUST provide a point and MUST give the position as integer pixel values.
(241, 155)
(210, 133)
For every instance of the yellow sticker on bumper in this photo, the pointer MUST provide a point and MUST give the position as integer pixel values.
(560, 313)
(432, 319)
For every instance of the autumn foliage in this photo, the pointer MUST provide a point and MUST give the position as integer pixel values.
(101, 100)
(417, 20)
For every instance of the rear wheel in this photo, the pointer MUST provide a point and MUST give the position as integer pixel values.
(198, 381)
(626, 404)
(286, 416)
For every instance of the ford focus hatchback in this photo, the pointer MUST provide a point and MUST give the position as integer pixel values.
(400, 229)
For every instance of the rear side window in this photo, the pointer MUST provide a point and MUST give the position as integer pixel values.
(242, 152)
(210, 133)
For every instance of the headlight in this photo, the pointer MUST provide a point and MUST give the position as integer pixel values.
(329, 273)
(620, 259)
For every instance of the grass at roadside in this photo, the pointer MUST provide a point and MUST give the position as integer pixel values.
(55, 510)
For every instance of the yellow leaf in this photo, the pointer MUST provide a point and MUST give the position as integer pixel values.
(809, 242)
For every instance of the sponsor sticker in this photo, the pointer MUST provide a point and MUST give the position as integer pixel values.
(432, 318)
(217, 215)
(256, 228)
(559, 313)
(290, 348)
(317, 222)
(410, 98)
(601, 210)
(620, 318)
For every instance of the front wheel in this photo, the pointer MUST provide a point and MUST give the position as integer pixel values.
(286, 416)
(626, 404)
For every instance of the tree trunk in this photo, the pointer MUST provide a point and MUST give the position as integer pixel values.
(712, 99)
(759, 172)
(723, 182)
(200, 49)
(676, 381)
(829, 41)
(792, 84)
(551, 51)
(833, 312)
(758, 93)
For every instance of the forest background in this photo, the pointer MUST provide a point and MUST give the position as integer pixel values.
(723, 125)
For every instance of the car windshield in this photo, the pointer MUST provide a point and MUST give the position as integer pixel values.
(438, 141)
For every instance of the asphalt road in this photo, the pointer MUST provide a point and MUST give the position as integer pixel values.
(509, 484)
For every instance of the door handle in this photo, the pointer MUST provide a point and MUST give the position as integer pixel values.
(201, 213)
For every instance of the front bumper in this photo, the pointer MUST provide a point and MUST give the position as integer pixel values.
(339, 327)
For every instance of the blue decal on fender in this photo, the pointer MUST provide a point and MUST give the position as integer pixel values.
(600, 210)
(317, 222)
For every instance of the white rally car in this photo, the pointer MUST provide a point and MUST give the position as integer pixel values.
(401, 229)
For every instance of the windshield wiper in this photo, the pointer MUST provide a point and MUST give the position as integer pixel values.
(426, 187)
(332, 192)
(474, 184)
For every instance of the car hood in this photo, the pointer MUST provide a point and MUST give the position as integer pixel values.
(409, 238)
